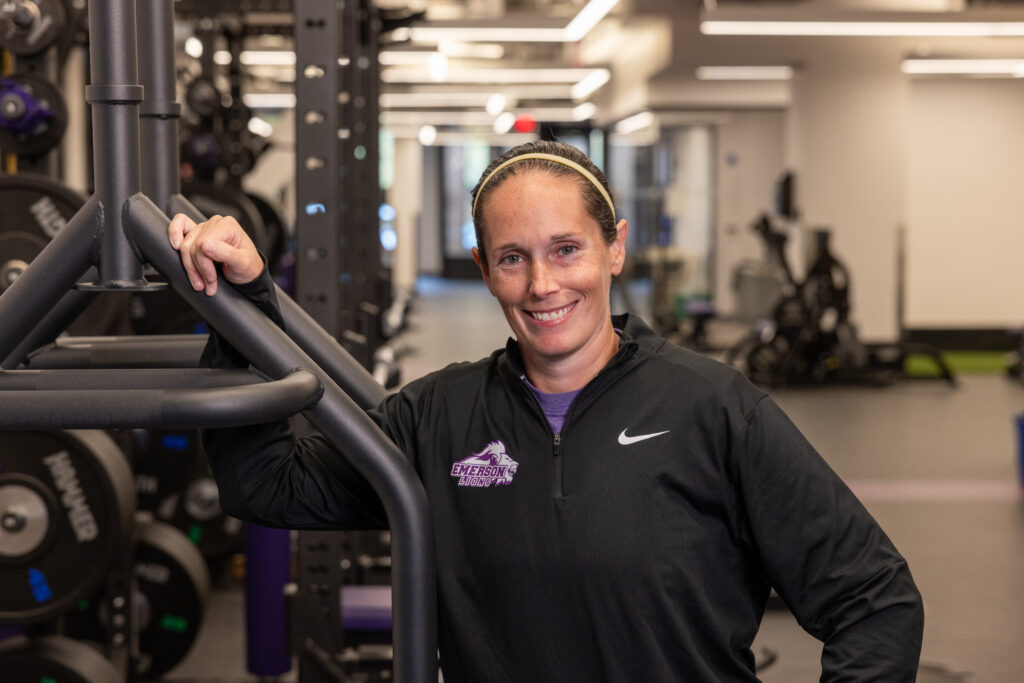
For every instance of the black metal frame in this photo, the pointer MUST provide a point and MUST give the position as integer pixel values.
(120, 229)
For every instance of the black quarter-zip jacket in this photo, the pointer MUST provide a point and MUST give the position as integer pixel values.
(640, 544)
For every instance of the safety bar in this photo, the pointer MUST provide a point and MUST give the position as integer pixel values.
(161, 351)
(114, 408)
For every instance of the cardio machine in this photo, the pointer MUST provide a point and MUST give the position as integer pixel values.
(809, 338)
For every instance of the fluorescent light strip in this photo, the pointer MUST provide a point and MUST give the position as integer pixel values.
(454, 99)
(267, 58)
(269, 100)
(979, 67)
(634, 123)
(589, 84)
(512, 91)
(864, 28)
(436, 118)
(411, 75)
(486, 34)
(588, 17)
(744, 73)
(580, 25)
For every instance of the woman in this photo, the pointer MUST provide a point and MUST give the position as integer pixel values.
(607, 506)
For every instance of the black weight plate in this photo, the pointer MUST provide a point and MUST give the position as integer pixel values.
(171, 588)
(36, 205)
(173, 584)
(163, 461)
(195, 510)
(47, 132)
(54, 658)
(17, 249)
(35, 209)
(85, 484)
(43, 33)
(221, 200)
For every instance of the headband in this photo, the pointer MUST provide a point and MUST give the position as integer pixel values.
(549, 157)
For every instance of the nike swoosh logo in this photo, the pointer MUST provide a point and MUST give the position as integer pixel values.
(627, 440)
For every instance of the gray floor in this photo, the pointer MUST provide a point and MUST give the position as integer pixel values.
(937, 466)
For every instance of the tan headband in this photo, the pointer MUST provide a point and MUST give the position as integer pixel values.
(549, 157)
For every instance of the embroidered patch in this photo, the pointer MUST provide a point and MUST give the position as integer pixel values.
(492, 465)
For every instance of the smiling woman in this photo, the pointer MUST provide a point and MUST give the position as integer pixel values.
(607, 506)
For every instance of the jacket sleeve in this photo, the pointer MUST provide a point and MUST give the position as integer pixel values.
(826, 556)
(266, 475)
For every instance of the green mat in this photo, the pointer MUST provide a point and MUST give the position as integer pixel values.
(960, 362)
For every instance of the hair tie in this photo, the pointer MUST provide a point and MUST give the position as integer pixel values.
(549, 157)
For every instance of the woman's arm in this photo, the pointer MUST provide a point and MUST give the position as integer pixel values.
(264, 473)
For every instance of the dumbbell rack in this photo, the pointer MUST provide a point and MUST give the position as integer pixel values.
(119, 231)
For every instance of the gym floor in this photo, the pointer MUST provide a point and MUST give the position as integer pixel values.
(936, 465)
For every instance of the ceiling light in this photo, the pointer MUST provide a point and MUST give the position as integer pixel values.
(269, 100)
(593, 12)
(486, 34)
(583, 112)
(975, 67)
(744, 73)
(427, 135)
(267, 58)
(405, 57)
(471, 50)
(504, 123)
(864, 28)
(437, 65)
(595, 77)
(495, 104)
(590, 83)
(193, 47)
(413, 100)
(634, 123)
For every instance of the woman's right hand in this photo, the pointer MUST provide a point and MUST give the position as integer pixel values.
(218, 240)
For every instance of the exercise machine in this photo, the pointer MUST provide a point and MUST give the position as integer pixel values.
(121, 233)
(809, 338)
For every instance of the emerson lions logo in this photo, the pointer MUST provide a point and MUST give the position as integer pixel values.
(492, 465)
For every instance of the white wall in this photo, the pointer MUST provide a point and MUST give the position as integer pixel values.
(965, 242)
(750, 157)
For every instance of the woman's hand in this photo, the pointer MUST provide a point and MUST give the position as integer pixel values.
(219, 240)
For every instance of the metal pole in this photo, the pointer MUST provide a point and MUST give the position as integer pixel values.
(160, 111)
(114, 97)
(52, 274)
(346, 426)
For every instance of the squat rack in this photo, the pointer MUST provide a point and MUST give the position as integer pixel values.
(122, 228)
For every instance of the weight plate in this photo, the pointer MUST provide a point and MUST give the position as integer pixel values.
(54, 658)
(41, 34)
(173, 584)
(163, 460)
(24, 518)
(17, 249)
(171, 588)
(195, 510)
(36, 208)
(33, 115)
(85, 483)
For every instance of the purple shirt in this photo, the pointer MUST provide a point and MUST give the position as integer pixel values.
(555, 406)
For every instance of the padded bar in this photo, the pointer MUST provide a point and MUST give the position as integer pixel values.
(160, 351)
(127, 380)
(171, 408)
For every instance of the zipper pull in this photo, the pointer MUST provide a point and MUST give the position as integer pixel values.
(558, 443)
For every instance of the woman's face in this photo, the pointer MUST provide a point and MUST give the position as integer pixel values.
(549, 267)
